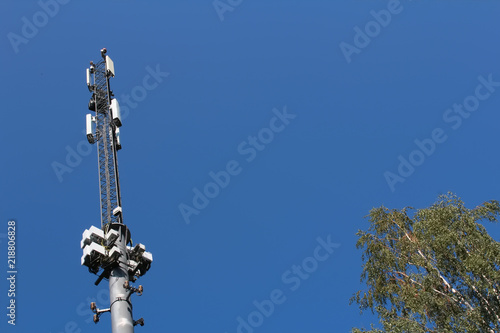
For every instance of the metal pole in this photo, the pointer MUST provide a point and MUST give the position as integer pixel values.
(119, 296)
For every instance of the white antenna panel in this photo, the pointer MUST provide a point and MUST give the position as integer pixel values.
(118, 144)
(115, 113)
(90, 130)
(88, 80)
(110, 67)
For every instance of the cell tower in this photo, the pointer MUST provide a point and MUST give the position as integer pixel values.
(108, 252)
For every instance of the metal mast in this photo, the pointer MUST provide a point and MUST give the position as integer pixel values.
(105, 250)
(107, 141)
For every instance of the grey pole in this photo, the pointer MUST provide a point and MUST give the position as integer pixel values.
(119, 296)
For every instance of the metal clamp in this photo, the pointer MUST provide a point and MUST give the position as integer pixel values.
(138, 291)
(139, 321)
(97, 312)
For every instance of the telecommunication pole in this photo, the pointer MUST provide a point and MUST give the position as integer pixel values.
(108, 251)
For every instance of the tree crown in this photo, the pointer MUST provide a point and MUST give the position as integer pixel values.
(431, 270)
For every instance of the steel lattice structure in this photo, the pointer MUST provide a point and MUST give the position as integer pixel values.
(105, 134)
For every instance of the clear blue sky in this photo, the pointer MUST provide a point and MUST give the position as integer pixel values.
(350, 103)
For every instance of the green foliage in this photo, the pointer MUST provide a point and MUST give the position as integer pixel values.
(436, 270)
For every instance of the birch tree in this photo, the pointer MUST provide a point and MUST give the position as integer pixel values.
(431, 270)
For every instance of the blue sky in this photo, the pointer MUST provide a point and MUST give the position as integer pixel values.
(321, 110)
